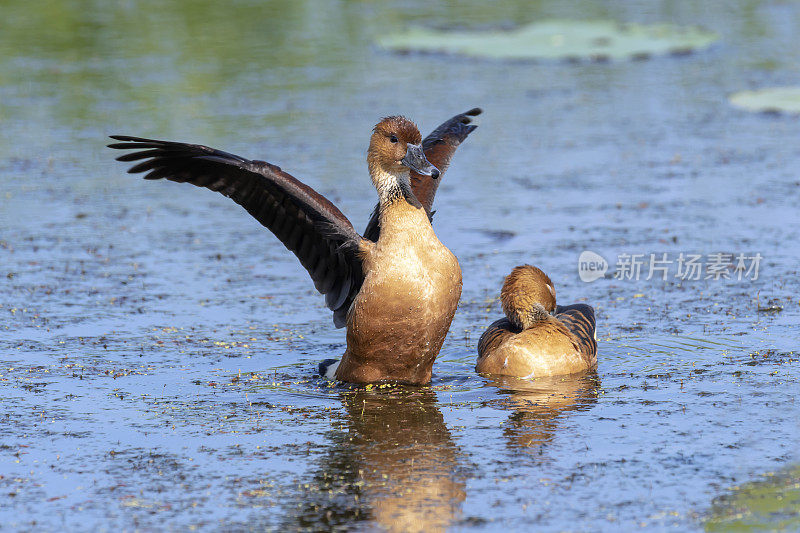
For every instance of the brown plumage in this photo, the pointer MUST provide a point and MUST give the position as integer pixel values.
(526, 292)
(399, 126)
(530, 341)
(340, 262)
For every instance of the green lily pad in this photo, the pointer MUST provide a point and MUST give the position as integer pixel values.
(558, 39)
(772, 100)
(769, 504)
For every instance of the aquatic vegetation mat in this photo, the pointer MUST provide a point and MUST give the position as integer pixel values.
(558, 39)
(768, 504)
(769, 100)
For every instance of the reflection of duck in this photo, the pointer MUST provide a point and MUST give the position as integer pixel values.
(538, 404)
(530, 342)
(396, 467)
(397, 294)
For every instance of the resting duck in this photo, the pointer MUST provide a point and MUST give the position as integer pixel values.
(396, 293)
(531, 342)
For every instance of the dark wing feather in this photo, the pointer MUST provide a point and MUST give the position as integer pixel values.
(439, 148)
(579, 319)
(307, 223)
(495, 334)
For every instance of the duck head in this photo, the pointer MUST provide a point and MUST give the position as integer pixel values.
(395, 149)
(527, 296)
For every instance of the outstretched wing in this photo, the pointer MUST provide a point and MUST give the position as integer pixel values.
(579, 319)
(439, 148)
(307, 223)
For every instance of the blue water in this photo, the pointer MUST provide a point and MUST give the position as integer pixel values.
(158, 346)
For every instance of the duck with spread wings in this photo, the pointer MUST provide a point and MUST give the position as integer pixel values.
(396, 288)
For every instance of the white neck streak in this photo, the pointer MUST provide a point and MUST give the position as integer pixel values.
(391, 186)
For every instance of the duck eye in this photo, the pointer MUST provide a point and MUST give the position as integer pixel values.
(393, 139)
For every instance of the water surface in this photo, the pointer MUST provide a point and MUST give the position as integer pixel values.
(158, 346)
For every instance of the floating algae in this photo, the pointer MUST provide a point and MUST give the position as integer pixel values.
(771, 503)
(769, 100)
(559, 39)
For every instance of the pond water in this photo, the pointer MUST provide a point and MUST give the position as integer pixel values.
(158, 346)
